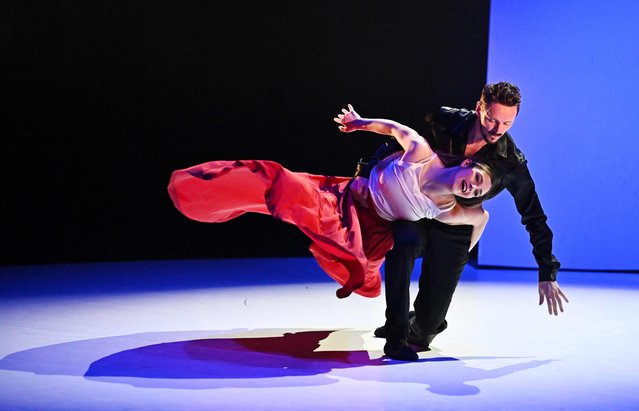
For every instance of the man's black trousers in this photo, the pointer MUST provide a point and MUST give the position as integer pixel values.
(444, 249)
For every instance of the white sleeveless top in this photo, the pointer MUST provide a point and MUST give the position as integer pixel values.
(394, 187)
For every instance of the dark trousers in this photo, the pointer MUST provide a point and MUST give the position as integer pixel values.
(444, 249)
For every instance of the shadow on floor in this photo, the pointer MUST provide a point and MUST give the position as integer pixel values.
(284, 358)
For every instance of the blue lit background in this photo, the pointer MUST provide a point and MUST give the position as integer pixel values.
(576, 64)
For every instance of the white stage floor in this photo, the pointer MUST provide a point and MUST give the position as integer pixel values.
(269, 334)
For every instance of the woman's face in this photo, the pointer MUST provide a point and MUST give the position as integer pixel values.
(471, 182)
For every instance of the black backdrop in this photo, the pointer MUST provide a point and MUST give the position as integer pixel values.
(105, 100)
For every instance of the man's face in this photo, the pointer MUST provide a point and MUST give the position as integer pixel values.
(495, 119)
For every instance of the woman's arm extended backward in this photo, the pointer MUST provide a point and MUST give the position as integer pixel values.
(415, 146)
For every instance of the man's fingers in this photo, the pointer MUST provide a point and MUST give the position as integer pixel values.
(553, 295)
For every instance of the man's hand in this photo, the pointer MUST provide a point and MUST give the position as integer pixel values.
(550, 291)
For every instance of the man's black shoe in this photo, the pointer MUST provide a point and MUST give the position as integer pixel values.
(380, 332)
(415, 337)
(421, 343)
(399, 350)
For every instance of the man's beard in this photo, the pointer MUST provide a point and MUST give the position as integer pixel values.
(485, 134)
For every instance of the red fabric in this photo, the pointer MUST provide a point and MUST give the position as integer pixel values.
(348, 241)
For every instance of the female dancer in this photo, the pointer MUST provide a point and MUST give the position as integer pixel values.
(347, 219)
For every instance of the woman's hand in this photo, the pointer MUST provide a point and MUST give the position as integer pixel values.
(347, 120)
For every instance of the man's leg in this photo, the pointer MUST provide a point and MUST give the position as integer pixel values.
(444, 260)
(409, 243)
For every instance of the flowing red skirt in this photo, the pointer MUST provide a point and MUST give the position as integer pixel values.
(349, 241)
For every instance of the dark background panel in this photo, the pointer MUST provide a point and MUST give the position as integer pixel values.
(105, 100)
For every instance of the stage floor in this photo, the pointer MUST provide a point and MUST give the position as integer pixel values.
(269, 334)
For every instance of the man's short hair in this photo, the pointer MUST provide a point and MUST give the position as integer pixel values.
(503, 92)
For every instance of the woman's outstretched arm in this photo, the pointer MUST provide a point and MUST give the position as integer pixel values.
(415, 146)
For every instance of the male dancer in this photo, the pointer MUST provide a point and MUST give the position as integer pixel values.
(481, 135)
